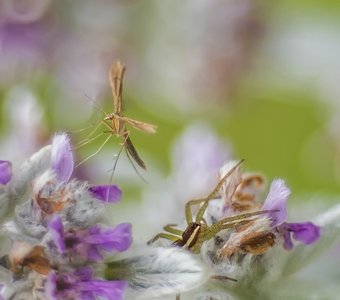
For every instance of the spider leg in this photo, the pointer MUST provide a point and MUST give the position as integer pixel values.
(169, 228)
(163, 235)
(234, 224)
(188, 205)
(206, 200)
(211, 231)
(245, 216)
(218, 186)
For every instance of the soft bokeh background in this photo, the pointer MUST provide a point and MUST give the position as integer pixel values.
(264, 76)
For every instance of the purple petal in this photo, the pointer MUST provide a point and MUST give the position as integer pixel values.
(94, 255)
(80, 285)
(5, 171)
(306, 233)
(288, 243)
(106, 193)
(87, 296)
(84, 274)
(56, 228)
(51, 286)
(118, 238)
(111, 290)
(62, 157)
(277, 200)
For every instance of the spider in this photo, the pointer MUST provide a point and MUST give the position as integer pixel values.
(198, 231)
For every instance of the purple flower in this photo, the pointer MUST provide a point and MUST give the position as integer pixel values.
(80, 285)
(306, 233)
(63, 165)
(277, 200)
(88, 243)
(5, 171)
(56, 229)
(62, 157)
(106, 193)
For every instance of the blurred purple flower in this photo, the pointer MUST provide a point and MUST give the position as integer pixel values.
(306, 233)
(63, 166)
(199, 149)
(62, 157)
(88, 243)
(106, 193)
(80, 285)
(277, 200)
(56, 228)
(5, 171)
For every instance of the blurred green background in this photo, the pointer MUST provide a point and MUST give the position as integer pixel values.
(265, 75)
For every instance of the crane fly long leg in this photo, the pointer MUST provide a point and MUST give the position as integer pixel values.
(115, 163)
(86, 141)
(94, 130)
(162, 235)
(93, 154)
(82, 129)
(111, 129)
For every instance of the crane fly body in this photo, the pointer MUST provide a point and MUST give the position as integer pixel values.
(115, 122)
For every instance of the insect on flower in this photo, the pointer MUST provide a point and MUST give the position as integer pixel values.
(24, 255)
(115, 122)
(198, 231)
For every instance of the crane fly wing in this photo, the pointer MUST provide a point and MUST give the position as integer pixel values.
(116, 81)
(142, 126)
(131, 150)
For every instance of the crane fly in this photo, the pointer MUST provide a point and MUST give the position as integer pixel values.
(116, 122)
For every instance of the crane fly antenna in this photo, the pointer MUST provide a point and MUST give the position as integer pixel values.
(96, 105)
